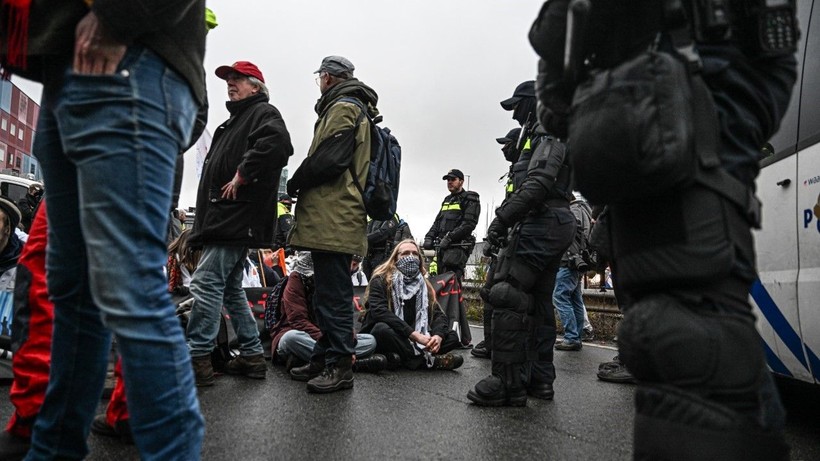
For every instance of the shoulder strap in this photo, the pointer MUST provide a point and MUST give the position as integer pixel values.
(706, 123)
(362, 115)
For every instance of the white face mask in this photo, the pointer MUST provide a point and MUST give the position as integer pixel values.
(410, 266)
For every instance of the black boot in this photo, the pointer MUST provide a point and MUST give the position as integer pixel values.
(307, 372)
(539, 390)
(481, 351)
(502, 388)
(334, 377)
(373, 364)
(393, 361)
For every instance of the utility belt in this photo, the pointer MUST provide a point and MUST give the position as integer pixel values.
(544, 206)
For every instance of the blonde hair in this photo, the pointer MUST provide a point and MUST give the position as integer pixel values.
(388, 268)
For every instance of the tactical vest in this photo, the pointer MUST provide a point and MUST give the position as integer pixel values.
(452, 211)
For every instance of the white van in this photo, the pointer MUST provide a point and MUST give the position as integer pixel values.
(14, 187)
(787, 295)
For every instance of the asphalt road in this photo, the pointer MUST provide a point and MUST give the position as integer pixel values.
(426, 415)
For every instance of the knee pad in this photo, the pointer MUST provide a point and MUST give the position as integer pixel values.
(509, 325)
(671, 424)
(663, 340)
(506, 296)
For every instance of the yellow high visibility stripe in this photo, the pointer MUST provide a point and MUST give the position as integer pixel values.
(451, 207)
(527, 145)
(509, 187)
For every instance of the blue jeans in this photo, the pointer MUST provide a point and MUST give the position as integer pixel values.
(108, 145)
(300, 344)
(217, 282)
(569, 303)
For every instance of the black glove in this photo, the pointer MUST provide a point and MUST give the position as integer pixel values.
(488, 250)
(428, 244)
(445, 242)
(292, 190)
(497, 233)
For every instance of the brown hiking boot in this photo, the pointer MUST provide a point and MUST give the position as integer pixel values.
(252, 366)
(334, 377)
(203, 371)
(447, 361)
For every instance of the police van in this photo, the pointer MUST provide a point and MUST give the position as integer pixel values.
(786, 297)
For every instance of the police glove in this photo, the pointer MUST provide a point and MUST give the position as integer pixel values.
(428, 244)
(445, 242)
(497, 233)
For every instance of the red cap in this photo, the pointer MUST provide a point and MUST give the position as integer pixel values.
(243, 67)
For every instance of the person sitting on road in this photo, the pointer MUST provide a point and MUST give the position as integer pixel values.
(182, 262)
(357, 274)
(382, 236)
(295, 332)
(404, 316)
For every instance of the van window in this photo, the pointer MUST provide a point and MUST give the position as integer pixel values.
(13, 191)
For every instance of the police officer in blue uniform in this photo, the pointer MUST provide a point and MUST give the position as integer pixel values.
(704, 390)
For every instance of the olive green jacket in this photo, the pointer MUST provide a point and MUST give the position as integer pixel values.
(330, 213)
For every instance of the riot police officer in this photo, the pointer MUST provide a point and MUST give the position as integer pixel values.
(452, 230)
(533, 227)
(704, 390)
(511, 150)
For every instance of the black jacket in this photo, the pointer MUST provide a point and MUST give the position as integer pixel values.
(380, 310)
(174, 30)
(255, 142)
(458, 217)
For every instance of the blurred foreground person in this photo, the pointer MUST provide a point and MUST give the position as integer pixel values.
(688, 334)
(125, 81)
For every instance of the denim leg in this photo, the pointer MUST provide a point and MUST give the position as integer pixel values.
(216, 267)
(562, 298)
(108, 145)
(578, 309)
(365, 345)
(296, 342)
(332, 302)
(236, 303)
(80, 343)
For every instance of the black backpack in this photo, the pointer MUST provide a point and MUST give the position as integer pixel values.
(381, 189)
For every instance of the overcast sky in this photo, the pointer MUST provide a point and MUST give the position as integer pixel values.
(440, 69)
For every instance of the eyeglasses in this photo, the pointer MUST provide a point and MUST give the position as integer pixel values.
(319, 79)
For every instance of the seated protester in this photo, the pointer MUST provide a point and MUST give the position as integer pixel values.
(295, 332)
(182, 262)
(404, 316)
(382, 237)
(263, 260)
(356, 272)
(251, 276)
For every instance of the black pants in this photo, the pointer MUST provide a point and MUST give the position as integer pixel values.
(388, 342)
(542, 241)
(333, 305)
